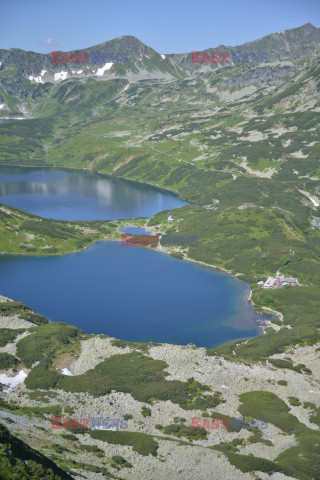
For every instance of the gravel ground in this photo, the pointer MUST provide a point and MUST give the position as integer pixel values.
(174, 460)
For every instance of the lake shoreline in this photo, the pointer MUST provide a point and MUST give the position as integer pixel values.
(261, 324)
(169, 251)
(101, 174)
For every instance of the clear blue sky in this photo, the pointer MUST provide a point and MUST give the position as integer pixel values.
(168, 26)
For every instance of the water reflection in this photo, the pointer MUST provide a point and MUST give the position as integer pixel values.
(80, 195)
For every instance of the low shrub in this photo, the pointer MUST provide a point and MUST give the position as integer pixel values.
(7, 361)
(140, 442)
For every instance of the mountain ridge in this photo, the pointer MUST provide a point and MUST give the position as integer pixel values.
(127, 57)
(307, 28)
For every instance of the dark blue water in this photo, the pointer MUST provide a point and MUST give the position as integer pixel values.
(66, 195)
(136, 231)
(132, 293)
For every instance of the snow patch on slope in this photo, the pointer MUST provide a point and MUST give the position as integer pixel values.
(60, 75)
(38, 79)
(101, 70)
(12, 381)
(315, 200)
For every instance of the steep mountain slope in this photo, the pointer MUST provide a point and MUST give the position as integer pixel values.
(296, 43)
(24, 74)
(18, 459)
(30, 75)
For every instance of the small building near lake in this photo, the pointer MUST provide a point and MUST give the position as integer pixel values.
(280, 281)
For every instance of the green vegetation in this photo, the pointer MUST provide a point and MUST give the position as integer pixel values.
(8, 420)
(69, 410)
(286, 364)
(300, 461)
(177, 255)
(52, 410)
(25, 463)
(140, 442)
(119, 462)
(133, 373)
(315, 412)
(7, 361)
(145, 412)
(282, 382)
(8, 309)
(185, 431)
(90, 468)
(45, 341)
(46, 227)
(90, 448)
(69, 436)
(59, 448)
(294, 401)
(249, 463)
(7, 335)
(41, 236)
(257, 438)
(144, 347)
(227, 447)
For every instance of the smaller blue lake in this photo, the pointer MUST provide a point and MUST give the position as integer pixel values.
(73, 195)
(136, 231)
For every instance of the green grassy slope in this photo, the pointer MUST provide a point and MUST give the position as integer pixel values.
(19, 461)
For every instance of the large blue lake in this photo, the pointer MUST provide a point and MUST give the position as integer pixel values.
(132, 293)
(74, 195)
(128, 292)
